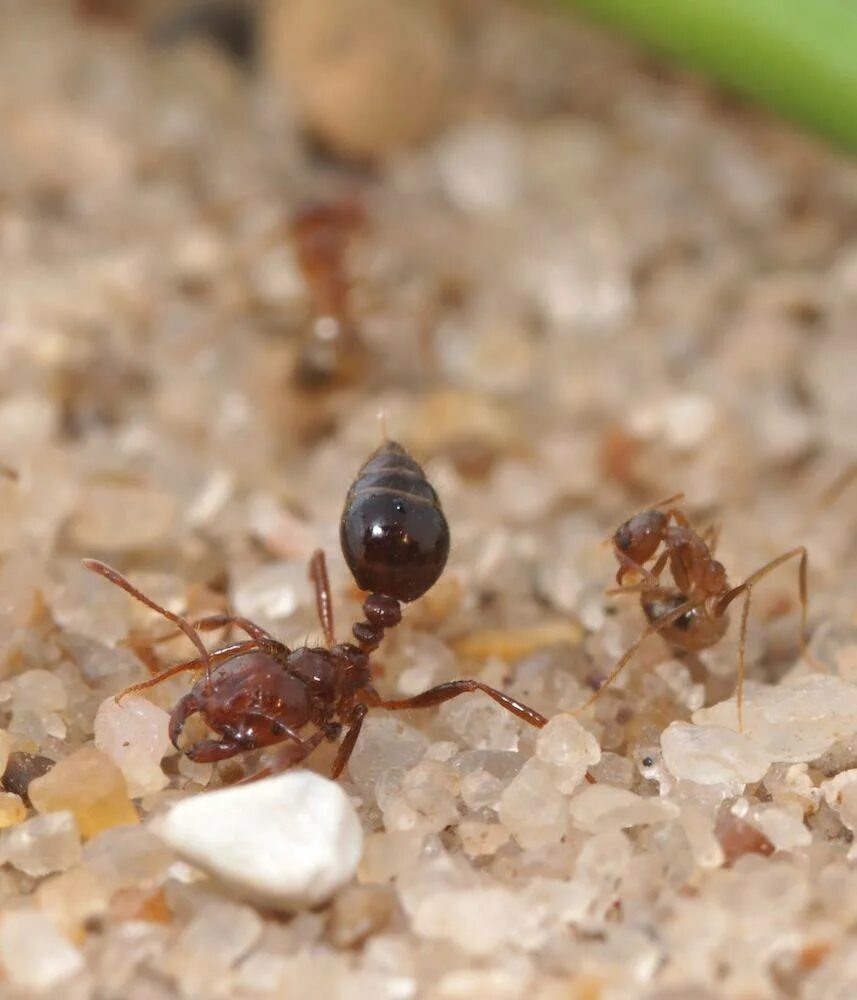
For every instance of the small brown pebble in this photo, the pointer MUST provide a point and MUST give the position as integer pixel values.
(21, 769)
(737, 837)
(141, 904)
(358, 912)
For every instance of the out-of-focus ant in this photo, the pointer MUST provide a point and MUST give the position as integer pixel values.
(691, 614)
(332, 352)
(258, 692)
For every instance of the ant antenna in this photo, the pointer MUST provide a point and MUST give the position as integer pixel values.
(115, 577)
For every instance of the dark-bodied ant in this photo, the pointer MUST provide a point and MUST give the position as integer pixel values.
(691, 614)
(258, 692)
(332, 352)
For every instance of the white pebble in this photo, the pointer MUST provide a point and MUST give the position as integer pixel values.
(568, 749)
(42, 845)
(290, 841)
(134, 734)
(532, 809)
(798, 720)
(783, 827)
(602, 808)
(35, 955)
(712, 755)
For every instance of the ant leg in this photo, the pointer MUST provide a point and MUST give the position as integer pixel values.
(217, 656)
(650, 629)
(742, 646)
(627, 565)
(669, 500)
(724, 602)
(711, 537)
(346, 747)
(291, 754)
(636, 588)
(115, 577)
(323, 602)
(209, 751)
(452, 689)
(745, 588)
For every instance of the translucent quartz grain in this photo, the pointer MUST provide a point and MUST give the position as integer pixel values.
(532, 808)
(34, 953)
(43, 844)
(12, 809)
(568, 749)
(90, 786)
(134, 734)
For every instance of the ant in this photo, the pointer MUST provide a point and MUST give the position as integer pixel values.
(258, 692)
(691, 614)
(332, 352)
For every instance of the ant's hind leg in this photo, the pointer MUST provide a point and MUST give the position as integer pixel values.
(452, 689)
(724, 602)
(323, 601)
(625, 659)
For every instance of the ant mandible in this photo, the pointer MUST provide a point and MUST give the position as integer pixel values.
(258, 692)
(692, 613)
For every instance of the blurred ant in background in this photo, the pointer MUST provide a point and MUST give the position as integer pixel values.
(332, 352)
(691, 612)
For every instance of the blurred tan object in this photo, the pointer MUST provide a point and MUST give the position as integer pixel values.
(368, 77)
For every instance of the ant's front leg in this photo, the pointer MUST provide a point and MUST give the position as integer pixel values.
(293, 753)
(651, 577)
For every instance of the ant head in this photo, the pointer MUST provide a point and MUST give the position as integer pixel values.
(715, 577)
(639, 537)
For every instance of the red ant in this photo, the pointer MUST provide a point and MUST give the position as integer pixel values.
(690, 614)
(332, 352)
(258, 692)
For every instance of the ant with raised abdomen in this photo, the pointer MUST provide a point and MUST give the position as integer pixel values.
(258, 692)
(692, 613)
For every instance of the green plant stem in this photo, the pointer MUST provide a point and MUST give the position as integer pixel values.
(797, 56)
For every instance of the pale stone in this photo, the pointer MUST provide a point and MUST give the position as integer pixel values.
(568, 749)
(5, 748)
(481, 839)
(387, 855)
(796, 720)
(133, 733)
(270, 592)
(532, 808)
(386, 741)
(840, 793)
(35, 955)
(121, 516)
(712, 755)
(289, 841)
(43, 844)
(217, 937)
(784, 829)
(12, 809)
(598, 808)
(368, 76)
(89, 785)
